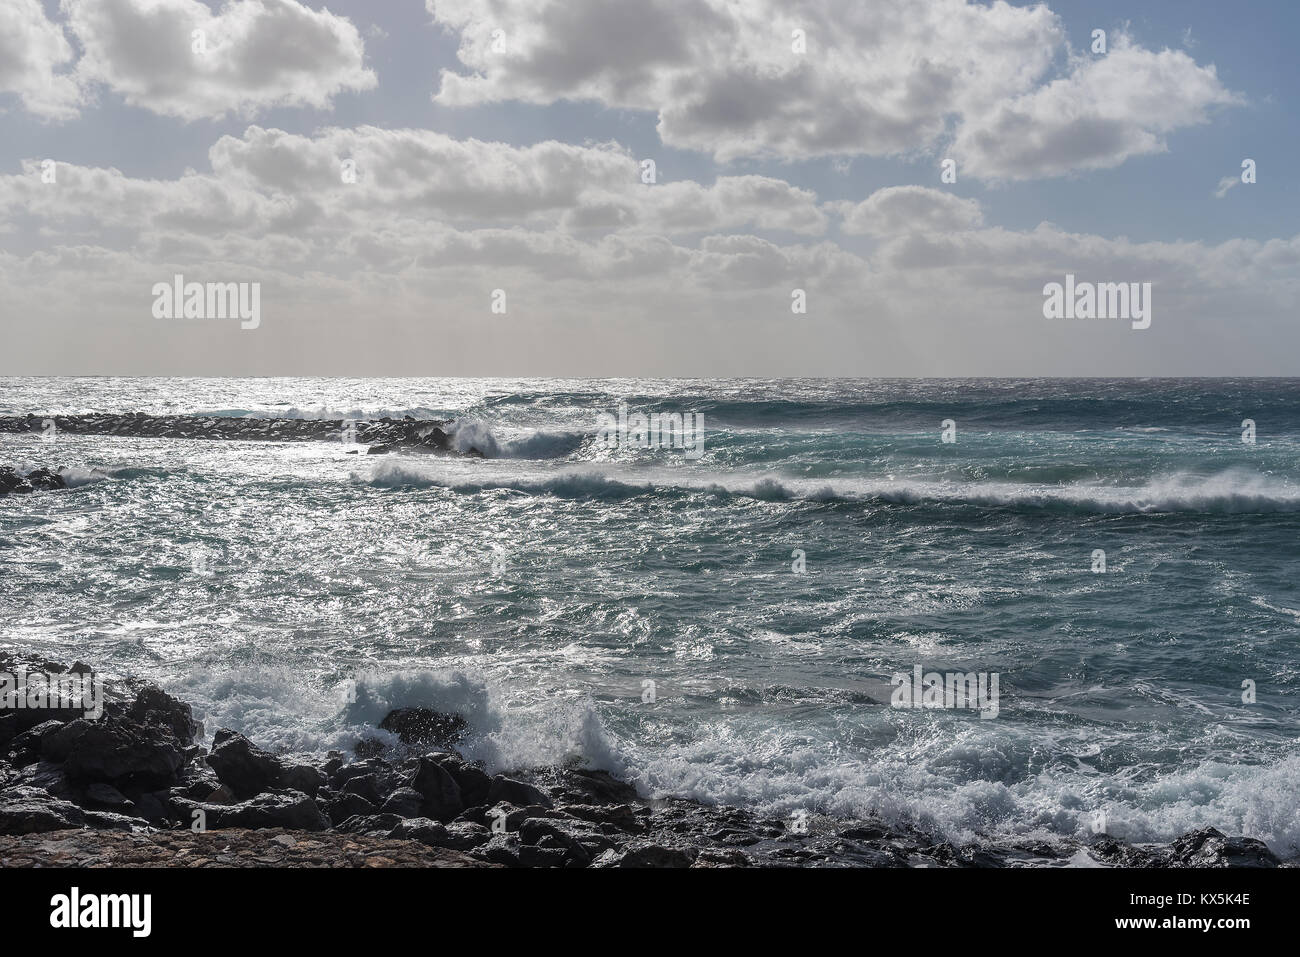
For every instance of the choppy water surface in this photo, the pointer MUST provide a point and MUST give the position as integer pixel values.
(537, 589)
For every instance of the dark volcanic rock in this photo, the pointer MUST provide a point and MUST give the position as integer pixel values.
(242, 765)
(1207, 847)
(441, 793)
(421, 829)
(649, 854)
(232, 847)
(290, 809)
(464, 836)
(345, 806)
(1210, 848)
(383, 435)
(155, 707)
(119, 752)
(28, 810)
(515, 792)
(472, 780)
(425, 728)
(11, 482)
(404, 802)
(303, 777)
(370, 824)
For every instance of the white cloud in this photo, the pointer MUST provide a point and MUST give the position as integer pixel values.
(903, 209)
(1106, 110)
(34, 54)
(883, 78)
(410, 253)
(258, 54)
(1225, 184)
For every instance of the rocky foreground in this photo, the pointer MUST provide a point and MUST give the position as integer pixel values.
(380, 435)
(136, 788)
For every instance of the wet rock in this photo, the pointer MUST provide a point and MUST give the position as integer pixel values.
(368, 786)
(421, 829)
(14, 483)
(348, 805)
(501, 849)
(119, 752)
(303, 777)
(581, 839)
(530, 855)
(441, 793)
(1210, 848)
(714, 858)
(462, 836)
(404, 802)
(628, 818)
(473, 781)
(581, 786)
(29, 810)
(425, 728)
(154, 707)
(646, 854)
(381, 824)
(242, 765)
(288, 810)
(29, 741)
(236, 847)
(108, 797)
(515, 792)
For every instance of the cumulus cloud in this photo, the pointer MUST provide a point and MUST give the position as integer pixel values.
(903, 209)
(34, 56)
(469, 182)
(1106, 110)
(886, 78)
(411, 251)
(253, 54)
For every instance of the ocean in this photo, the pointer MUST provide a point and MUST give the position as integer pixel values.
(1121, 554)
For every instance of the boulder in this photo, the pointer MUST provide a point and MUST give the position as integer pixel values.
(289, 810)
(154, 707)
(515, 792)
(646, 854)
(424, 727)
(404, 802)
(29, 810)
(242, 765)
(345, 806)
(116, 751)
(421, 829)
(441, 793)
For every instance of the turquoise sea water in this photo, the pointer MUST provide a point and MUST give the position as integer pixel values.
(537, 589)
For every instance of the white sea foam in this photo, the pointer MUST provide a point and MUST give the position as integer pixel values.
(1231, 491)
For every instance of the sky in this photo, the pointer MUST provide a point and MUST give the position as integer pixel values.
(459, 187)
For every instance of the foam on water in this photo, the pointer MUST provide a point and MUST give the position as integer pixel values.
(535, 590)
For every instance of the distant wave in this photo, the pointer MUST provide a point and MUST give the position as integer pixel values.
(1230, 492)
(469, 433)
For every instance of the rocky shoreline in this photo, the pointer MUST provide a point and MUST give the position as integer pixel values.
(135, 787)
(379, 435)
(13, 482)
